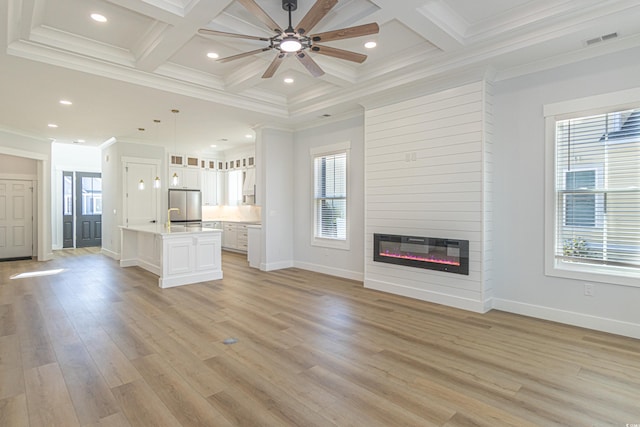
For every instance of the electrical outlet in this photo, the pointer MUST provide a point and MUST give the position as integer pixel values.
(588, 289)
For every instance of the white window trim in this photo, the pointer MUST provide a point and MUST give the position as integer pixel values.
(598, 104)
(326, 150)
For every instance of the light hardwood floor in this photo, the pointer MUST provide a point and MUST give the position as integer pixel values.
(100, 345)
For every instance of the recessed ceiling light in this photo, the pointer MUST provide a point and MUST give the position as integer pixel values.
(98, 18)
(370, 45)
(288, 80)
(80, 140)
(65, 102)
(248, 136)
(52, 125)
(213, 55)
(213, 146)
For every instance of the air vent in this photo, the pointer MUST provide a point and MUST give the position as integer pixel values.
(601, 39)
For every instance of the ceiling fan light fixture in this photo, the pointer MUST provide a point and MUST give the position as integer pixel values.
(290, 44)
(370, 44)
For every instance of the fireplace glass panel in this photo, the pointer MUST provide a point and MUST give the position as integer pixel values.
(424, 252)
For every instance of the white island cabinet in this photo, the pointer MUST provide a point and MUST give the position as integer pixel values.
(179, 255)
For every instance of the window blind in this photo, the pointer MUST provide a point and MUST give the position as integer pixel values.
(598, 189)
(330, 195)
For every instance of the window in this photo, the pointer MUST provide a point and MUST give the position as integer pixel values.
(596, 191)
(234, 187)
(580, 208)
(330, 204)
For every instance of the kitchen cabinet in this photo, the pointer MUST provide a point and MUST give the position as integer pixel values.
(254, 245)
(210, 188)
(179, 255)
(208, 164)
(234, 236)
(188, 178)
(187, 169)
(184, 160)
(212, 224)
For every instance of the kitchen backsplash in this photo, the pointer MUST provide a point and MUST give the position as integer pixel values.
(247, 213)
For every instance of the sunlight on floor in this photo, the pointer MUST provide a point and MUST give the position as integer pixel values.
(37, 273)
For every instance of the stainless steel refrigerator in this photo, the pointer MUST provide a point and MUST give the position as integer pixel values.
(190, 204)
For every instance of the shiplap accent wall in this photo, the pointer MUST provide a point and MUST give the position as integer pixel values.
(428, 173)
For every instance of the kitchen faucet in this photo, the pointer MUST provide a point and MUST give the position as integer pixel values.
(169, 216)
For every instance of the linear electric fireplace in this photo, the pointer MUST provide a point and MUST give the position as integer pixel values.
(423, 252)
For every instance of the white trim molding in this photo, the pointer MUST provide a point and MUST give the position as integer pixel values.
(569, 317)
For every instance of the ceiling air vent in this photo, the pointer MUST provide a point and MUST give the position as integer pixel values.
(601, 39)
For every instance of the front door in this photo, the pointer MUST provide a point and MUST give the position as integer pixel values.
(16, 219)
(88, 209)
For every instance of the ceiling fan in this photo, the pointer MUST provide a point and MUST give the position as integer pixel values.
(296, 41)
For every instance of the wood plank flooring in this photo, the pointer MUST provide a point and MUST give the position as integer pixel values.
(100, 345)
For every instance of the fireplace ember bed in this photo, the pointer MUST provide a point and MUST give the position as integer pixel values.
(432, 253)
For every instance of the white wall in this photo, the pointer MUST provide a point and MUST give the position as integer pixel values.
(338, 262)
(12, 165)
(274, 154)
(426, 170)
(69, 158)
(520, 283)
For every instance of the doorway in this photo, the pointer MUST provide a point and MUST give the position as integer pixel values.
(16, 219)
(141, 202)
(81, 209)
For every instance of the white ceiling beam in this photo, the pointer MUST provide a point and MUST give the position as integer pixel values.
(431, 20)
(161, 47)
(246, 76)
(25, 15)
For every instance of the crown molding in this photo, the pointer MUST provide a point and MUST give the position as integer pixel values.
(556, 61)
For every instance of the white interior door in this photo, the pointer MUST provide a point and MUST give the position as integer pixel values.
(141, 206)
(16, 219)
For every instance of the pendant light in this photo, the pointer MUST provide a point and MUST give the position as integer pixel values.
(175, 179)
(141, 185)
(156, 180)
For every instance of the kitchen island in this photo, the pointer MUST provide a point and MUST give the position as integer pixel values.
(179, 255)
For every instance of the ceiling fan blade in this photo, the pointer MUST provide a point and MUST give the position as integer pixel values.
(208, 32)
(253, 7)
(242, 55)
(346, 33)
(315, 14)
(310, 64)
(339, 53)
(274, 66)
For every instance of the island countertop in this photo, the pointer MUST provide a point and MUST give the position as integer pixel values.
(162, 230)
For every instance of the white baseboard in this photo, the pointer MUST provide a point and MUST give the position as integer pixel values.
(430, 296)
(571, 318)
(338, 272)
(275, 265)
(110, 254)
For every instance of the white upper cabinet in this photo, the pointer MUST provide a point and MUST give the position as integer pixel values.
(187, 178)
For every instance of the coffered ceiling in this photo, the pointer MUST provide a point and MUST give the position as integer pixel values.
(148, 59)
